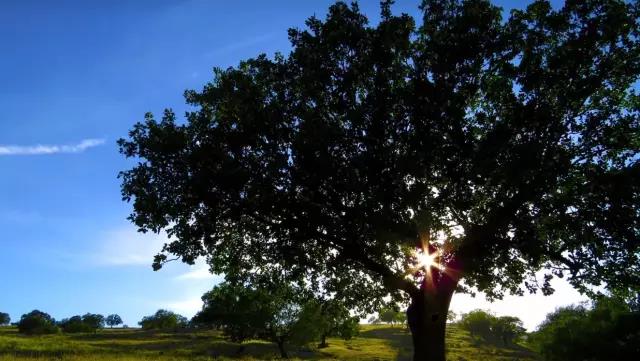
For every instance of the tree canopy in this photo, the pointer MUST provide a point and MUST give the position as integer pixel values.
(163, 320)
(411, 158)
(37, 323)
(113, 320)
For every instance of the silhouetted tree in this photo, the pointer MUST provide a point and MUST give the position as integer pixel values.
(95, 321)
(74, 324)
(5, 319)
(607, 331)
(507, 329)
(163, 320)
(86, 323)
(478, 323)
(37, 323)
(411, 160)
(113, 320)
(335, 321)
(276, 313)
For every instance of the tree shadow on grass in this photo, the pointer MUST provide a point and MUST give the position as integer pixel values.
(398, 337)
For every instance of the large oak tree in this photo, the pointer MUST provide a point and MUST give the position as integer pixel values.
(464, 152)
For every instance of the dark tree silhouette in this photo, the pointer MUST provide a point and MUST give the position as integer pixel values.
(37, 323)
(163, 320)
(113, 320)
(5, 319)
(411, 160)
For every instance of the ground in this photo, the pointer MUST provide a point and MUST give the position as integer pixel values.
(375, 343)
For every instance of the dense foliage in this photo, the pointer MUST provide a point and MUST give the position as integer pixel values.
(37, 323)
(5, 319)
(163, 320)
(609, 330)
(501, 146)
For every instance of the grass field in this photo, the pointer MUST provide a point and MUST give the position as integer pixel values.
(374, 343)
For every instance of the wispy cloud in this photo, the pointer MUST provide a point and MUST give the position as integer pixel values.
(41, 149)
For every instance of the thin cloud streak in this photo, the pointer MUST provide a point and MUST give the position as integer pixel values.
(40, 149)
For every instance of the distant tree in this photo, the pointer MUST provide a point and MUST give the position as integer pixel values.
(37, 323)
(163, 320)
(113, 320)
(86, 323)
(391, 315)
(94, 321)
(451, 316)
(335, 321)
(74, 324)
(5, 319)
(276, 313)
(609, 330)
(411, 160)
(478, 323)
(507, 329)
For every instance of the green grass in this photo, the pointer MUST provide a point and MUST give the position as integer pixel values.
(376, 342)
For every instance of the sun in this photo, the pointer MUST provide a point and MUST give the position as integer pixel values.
(427, 260)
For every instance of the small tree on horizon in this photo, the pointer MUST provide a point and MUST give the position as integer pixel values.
(411, 158)
(113, 320)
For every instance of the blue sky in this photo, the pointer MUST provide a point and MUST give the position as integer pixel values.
(74, 77)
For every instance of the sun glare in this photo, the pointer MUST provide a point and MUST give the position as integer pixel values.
(426, 260)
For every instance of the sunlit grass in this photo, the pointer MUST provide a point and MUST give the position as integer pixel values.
(376, 342)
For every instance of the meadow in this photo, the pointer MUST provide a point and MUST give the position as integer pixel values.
(375, 342)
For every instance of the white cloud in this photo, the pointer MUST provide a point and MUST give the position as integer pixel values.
(40, 149)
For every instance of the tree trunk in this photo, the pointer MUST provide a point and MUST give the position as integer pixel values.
(427, 319)
(323, 342)
(283, 352)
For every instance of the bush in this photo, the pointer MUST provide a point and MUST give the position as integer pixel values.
(37, 323)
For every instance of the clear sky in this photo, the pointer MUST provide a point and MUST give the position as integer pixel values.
(74, 77)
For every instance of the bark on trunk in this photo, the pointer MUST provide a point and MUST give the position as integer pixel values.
(427, 317)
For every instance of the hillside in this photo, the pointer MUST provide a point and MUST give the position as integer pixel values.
(374, 343)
